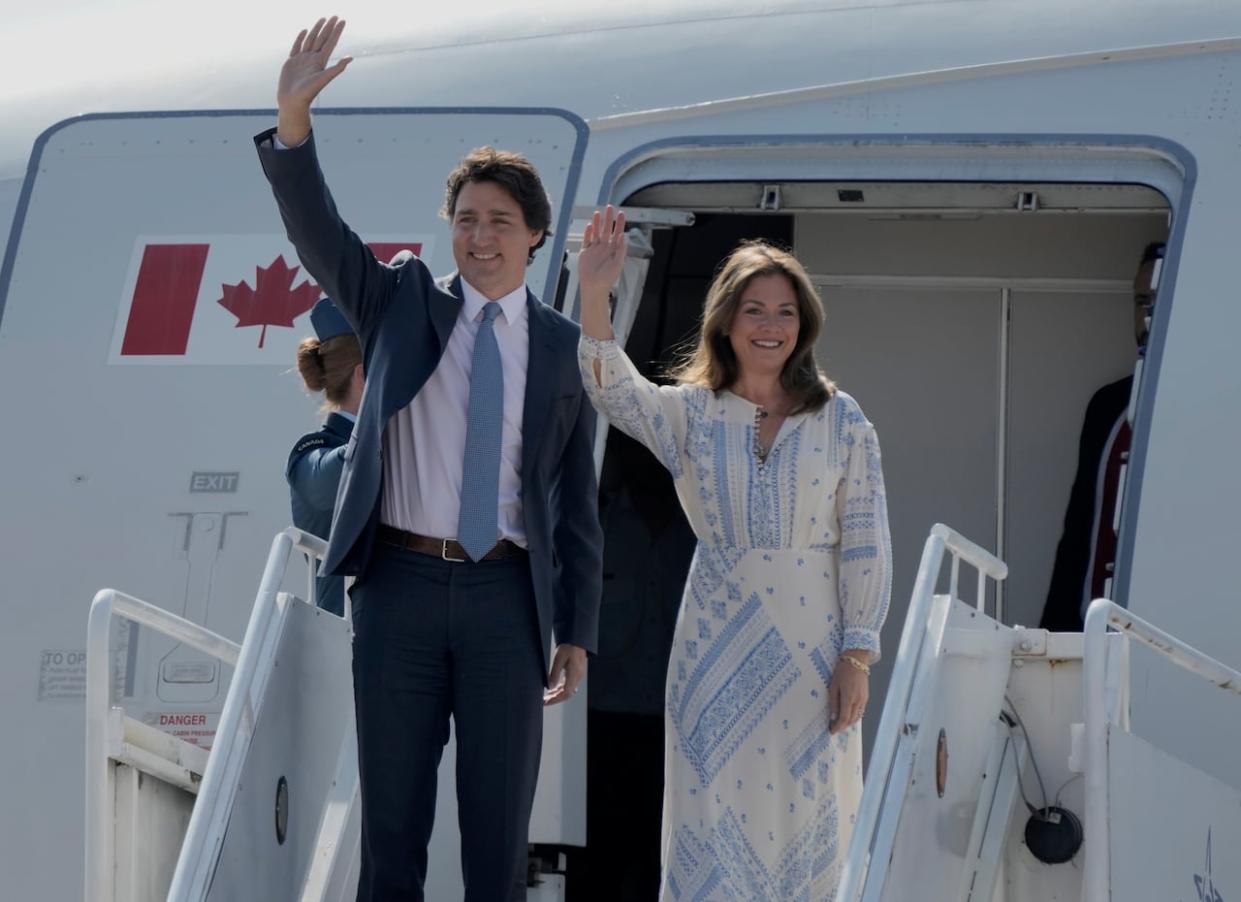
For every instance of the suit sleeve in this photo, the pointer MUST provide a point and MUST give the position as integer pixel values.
(315, 476)
(578, 538)
(332, 253)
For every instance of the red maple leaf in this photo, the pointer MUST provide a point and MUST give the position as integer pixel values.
(274, 302)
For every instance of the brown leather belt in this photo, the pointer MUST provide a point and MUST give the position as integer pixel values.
(445, 549)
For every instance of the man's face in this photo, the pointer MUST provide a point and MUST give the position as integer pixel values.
(490, 239)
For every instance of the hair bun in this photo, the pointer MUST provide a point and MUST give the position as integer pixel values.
(310, 364)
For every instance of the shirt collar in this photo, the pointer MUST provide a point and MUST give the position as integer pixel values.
(513, 304)
(352, 418)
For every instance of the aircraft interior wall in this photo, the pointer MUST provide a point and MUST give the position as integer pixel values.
(924, 359)
(972, 413)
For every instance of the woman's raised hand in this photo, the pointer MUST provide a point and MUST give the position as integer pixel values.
(602, 256)
(304, 74)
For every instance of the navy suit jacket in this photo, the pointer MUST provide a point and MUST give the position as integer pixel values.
(403, 318)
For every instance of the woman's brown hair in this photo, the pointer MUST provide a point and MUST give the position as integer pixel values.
(327, 366)
(711, 362)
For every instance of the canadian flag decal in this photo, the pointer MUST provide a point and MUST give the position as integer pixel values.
(164, 298)
(273, 302)
(234, 299)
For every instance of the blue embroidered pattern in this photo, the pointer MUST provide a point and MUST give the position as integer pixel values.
(736, 682)
(710, 568)
(726, 866)
(809, 745)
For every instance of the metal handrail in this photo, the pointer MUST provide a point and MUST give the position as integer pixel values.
(887, 738)
(1101, 614)
(107, 604)
(316, 549)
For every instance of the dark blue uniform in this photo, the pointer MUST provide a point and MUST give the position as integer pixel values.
(313, 473)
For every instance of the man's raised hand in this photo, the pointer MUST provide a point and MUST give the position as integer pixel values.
(305, 73)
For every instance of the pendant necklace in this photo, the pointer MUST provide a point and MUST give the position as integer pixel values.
(760, 452)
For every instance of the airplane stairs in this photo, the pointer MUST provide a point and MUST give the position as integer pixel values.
(998, 749)
(1004, 768)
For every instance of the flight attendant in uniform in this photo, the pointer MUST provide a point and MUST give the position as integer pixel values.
(330, 363)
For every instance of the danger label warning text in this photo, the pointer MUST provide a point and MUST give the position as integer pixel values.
(182, 720)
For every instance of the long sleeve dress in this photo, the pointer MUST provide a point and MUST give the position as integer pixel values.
(792, 566)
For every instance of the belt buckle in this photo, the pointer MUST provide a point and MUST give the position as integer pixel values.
(444, 553)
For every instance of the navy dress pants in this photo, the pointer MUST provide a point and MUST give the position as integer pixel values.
(434, 640)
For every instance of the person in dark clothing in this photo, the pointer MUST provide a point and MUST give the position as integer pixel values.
(647, 551)
(1086, 556)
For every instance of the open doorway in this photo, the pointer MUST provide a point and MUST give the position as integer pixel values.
(972, 321)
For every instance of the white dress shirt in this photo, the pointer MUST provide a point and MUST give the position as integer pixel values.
(424, 443)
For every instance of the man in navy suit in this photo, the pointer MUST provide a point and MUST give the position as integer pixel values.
(467, 505)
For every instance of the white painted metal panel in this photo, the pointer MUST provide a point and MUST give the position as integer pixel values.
(1175, 831)
(1047, 690)
(929, 856)
(1187, 529)
(303, 719)
(151, 816)
(935, 829)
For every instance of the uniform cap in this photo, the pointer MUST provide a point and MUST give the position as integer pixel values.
(328, 322)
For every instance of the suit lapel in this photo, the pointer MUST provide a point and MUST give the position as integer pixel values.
(408, 373)
(444, 312)
(540, 377)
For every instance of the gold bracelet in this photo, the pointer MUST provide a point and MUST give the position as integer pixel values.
(860, 665)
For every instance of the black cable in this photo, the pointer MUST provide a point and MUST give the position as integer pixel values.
(1008, 743)
(1033, 761)
(1065, 786)
(1043, 788)
(1053, 834)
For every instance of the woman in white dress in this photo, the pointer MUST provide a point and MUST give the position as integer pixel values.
(779, 474)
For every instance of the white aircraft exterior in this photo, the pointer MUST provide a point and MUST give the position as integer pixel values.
(970, 182)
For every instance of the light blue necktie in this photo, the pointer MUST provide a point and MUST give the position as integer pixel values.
(484, 417)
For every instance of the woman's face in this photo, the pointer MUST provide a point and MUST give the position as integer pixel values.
(764, 329)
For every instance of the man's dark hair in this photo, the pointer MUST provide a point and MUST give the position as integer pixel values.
(512, 172)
